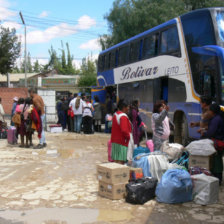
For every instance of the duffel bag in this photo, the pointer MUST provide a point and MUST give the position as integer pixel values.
(141, 190)
(175, 187)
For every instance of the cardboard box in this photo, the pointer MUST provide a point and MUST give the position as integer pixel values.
(113, 173)
(200, 161)
(56, 129)
(112, 191)
(135, 173)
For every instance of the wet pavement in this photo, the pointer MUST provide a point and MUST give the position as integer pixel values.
(58, 185)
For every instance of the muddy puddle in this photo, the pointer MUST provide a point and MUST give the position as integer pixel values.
(63, 216)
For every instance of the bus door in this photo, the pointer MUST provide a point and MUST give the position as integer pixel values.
(160, 87)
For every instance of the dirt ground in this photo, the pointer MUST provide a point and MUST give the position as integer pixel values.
(58, 185)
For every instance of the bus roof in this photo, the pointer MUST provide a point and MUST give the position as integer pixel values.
(170, 22)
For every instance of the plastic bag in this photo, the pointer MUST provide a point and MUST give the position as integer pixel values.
(206, 189)
(173, 150)
(141, 161)
(141, 190)
(175, 187)
(203, 147)
(158, 165)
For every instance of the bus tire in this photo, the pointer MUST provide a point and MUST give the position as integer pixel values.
(181, 129)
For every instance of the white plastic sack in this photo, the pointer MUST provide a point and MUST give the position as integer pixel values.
(158, 165)
(173, 150)
(206, 189)
(130, 148)
(203, 147)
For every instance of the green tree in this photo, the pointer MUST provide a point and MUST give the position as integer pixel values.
(54, 62)
(69, 68)
(60, 63)
(197, 4)
(130, 17)
(87, 73)
(29, 67)
(9, 49)
(36, 67)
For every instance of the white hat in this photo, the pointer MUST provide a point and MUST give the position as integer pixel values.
(15, 98)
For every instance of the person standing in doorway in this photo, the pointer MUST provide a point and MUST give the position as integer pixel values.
(39, 105)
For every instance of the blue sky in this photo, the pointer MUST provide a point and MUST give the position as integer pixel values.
(78, 22)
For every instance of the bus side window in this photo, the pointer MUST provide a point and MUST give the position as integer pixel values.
(149, 47)
(134, 51)
(207, 83)
(123, 55)
(101, 63)
(107, 62)
(112, 59)
(169, 43)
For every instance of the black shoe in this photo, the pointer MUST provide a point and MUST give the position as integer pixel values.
(39, 146)
(45, 144)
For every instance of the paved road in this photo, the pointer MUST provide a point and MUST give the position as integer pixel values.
(58, 185)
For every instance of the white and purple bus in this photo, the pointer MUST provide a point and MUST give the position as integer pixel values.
(177, 61)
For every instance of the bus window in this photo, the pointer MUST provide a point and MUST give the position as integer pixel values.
(134, 51)
(198, 29)
(101, 63)
(177, 91)
(207, 84)
(107, 62)
(112, 59)
(170, 42)
(123, 55)
(149, 47)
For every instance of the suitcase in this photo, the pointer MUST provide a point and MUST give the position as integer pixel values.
(109, 149)
(149, 143)
(141, 190)
(11, 136)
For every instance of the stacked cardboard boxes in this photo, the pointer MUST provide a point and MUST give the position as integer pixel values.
(112, 180)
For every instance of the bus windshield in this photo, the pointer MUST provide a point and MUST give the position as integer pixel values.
(220, 26)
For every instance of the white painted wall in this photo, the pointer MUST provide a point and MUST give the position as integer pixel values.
(49, 98)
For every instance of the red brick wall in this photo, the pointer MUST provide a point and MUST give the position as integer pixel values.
(7, 95)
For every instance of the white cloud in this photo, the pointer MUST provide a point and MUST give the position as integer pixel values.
(91, 45)
(11, 25)
(60, 30)
(85, 22)
(44, 14)
(4, 11)
(77, 63)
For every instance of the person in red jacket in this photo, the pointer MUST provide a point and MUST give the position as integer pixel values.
(121, 133)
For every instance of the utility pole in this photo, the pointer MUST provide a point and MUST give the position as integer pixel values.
(21, 16)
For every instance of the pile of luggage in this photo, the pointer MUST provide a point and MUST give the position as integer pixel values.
(173, 175)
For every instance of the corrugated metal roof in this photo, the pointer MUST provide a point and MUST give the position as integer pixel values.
(15, 77)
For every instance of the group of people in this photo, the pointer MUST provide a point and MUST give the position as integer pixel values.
(127, 126)
(27, 116)
(79, 113)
